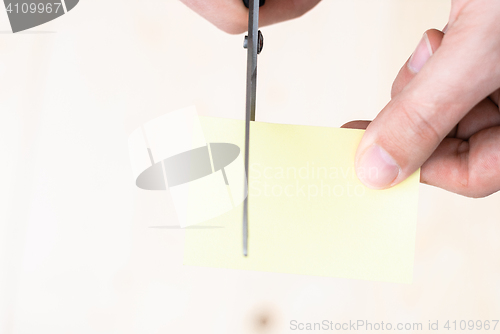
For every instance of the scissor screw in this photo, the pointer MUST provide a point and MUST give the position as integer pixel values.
(260, 43)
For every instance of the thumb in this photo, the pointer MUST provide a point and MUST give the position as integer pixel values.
(462, 72)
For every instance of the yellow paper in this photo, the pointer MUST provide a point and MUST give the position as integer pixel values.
(308, 212)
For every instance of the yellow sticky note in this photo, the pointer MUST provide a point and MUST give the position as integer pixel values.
(308, 212)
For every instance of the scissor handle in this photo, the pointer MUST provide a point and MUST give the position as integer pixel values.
(261, 3)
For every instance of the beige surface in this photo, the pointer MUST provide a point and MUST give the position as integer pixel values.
(77, 251)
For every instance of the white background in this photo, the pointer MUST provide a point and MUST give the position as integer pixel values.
(77, 251)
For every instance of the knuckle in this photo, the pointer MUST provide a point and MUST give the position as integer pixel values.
(418, 128)
(233, 27)
(483, 176)
(408, 136)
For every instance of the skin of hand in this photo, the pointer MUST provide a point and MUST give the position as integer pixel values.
(444, 113)
(231, 16)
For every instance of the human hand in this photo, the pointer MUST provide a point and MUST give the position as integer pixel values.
(231, 16)
(444, 114)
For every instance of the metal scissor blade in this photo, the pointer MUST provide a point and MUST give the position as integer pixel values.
(252, 49)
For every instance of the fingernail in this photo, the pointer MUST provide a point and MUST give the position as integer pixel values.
(422, 53)
(376, 168)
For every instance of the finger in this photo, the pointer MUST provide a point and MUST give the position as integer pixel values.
(362, 125)
(275, 11)
(231, 16)
(430, 42)
(484, 115)
(470, 168)
(463, 71)
(495, 97)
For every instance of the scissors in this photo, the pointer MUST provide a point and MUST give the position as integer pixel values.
(254, 43)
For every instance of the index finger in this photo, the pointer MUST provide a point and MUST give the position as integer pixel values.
(231, 16)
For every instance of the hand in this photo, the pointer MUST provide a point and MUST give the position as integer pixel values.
(444, 114)
(231, 16)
